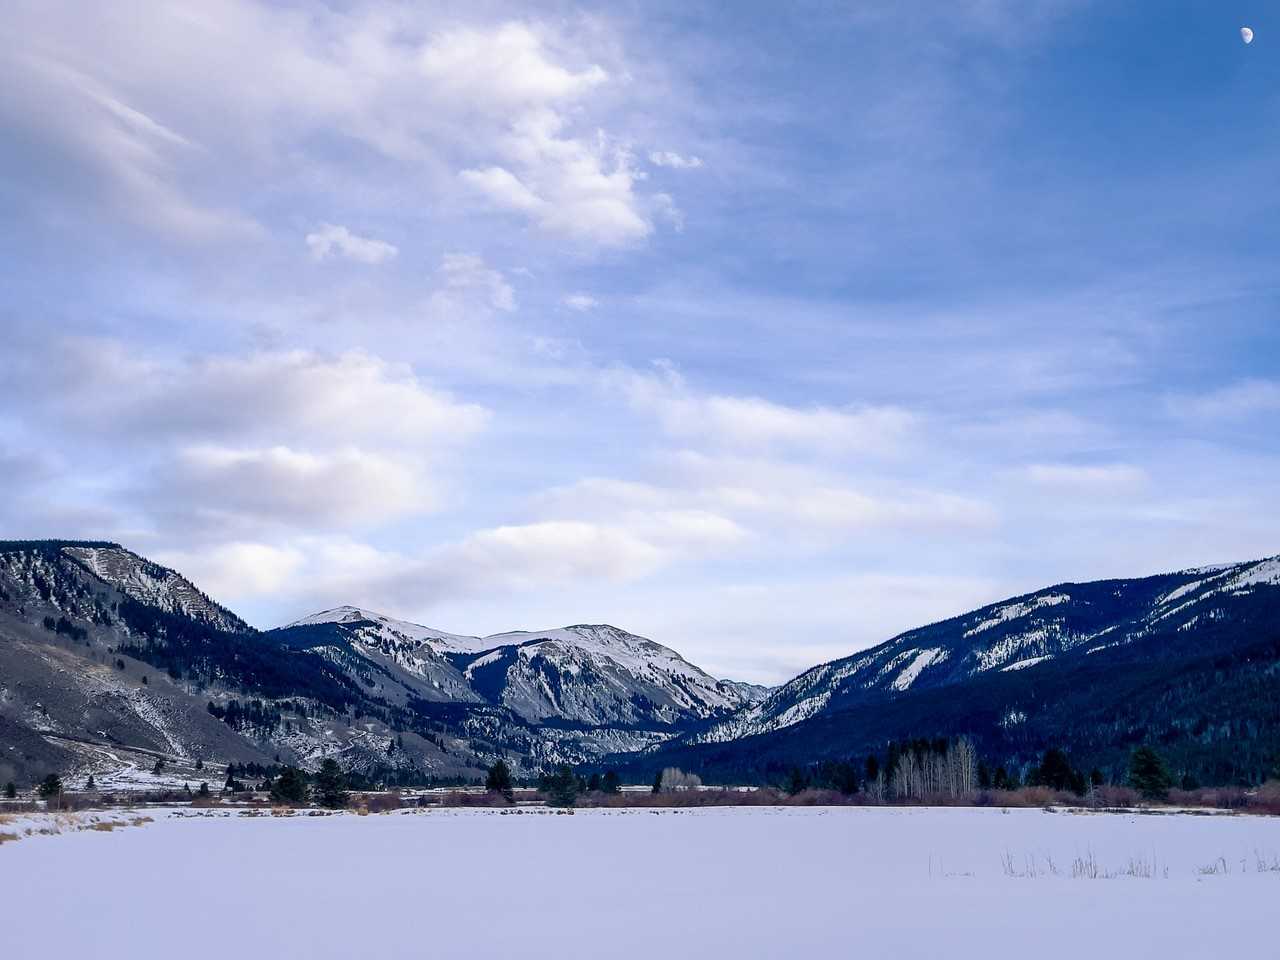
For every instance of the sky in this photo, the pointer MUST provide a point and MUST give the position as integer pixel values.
(767, 331)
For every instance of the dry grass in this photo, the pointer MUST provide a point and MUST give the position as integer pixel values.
(380, 802)
(8, 837)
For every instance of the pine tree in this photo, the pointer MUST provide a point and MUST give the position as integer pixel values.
(561, 787)
(203, 791)
(611, 783)
(1149, 775)
(657, 782)
(331, 785)
(90, 784)
(797, 781)
(593, 784)
(290, 788)
(1056, 773)
(499, 780)
(51, 788)
(10, 790)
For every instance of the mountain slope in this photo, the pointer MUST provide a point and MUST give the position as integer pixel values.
(595, 675)
(103, 652)
(1189, 660)
(152, 584)
(1012, 635)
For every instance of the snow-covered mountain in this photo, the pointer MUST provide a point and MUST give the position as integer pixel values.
(1013, 635)
(107, 658)
(152, 584)
(591, 674)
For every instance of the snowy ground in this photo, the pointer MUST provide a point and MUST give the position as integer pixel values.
(739, 882)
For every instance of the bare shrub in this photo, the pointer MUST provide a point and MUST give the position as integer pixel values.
(673, 779)
(1266, 863)
(1267, 799)
(382, 802)
(1026, 797)
(1113, 796)
(687, 798)
(1086, 867)
(1144, 869)
(460, 798)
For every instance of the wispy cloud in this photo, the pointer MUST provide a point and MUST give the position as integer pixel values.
(1242, 399)
(333, 240)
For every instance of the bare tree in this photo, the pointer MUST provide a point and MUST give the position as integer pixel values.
(673, 779)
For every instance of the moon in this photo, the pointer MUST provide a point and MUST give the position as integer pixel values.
(1246, 34)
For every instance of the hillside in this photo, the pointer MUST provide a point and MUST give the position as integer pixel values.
(102, 650)
(1190, 660)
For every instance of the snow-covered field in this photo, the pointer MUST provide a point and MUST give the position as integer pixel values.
(712, 883)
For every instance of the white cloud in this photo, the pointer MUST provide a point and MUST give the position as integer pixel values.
(331, 239)
(580, 301)
(233, 571)
(127, 158)
(228, 98)
(217, 447)
(1243, 399)
(505, 190)
(282, 485)
(1113, 478)
(664, 206)
(776, 500)
(676, 161)
(464, 271)
(747, 421)
(502, 68)
(502, 561)
(287, 397)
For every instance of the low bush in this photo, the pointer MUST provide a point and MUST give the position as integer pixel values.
(378, 802)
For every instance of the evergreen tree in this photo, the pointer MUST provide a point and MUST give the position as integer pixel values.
(561, 787)
(10, 790)
(199, 763)
(499, 780)
(290, 788)
(331, 785)
(593, 785)
(159, 767)
(1149, 775)
(203, 791)
(657, 782)
(1001, 780)
(797, 781)
(90, 784)
(1056, 773)
(51, 788)
(611, 783)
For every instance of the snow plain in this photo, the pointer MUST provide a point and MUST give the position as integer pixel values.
(712, 883)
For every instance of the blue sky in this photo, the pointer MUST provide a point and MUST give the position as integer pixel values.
(764, 330)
